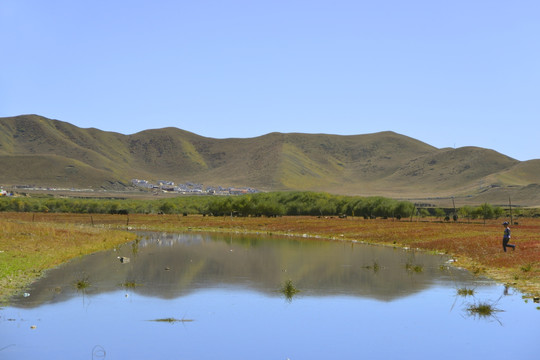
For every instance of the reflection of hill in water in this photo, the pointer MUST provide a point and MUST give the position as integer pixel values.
(173, 265)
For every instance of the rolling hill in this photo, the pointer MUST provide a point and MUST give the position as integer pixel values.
(51, 153)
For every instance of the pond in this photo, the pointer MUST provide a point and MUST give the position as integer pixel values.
(200, 296)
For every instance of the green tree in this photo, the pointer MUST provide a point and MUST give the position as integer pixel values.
(466, 212)
(485, 211)
(423, 213)
(403, 209)
(167, 207)
(439, 213)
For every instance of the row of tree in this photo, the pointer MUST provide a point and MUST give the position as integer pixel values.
(261, 204)
(484, 211)
(310, 203)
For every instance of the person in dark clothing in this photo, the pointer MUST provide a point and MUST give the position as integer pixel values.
(506, 237)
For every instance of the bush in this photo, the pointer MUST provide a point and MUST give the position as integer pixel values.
(261, 204)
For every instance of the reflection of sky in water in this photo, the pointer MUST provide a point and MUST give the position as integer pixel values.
(245, 322)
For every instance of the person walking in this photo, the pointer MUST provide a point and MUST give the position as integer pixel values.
(506, 237)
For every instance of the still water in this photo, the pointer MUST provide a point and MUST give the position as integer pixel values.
(355, 301)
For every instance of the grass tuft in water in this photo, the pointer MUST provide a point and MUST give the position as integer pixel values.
(483, 310)
(375, 267)
(130, 284)
(413, 267)
(465, 292)
(82, 284)
(172, 320)
(289, 290)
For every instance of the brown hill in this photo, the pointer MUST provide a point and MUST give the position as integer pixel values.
(44, 152)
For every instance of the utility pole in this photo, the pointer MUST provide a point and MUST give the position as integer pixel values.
(455, 213)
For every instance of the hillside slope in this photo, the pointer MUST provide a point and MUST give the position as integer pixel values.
(44, 152)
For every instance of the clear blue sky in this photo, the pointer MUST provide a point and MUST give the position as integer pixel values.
(449, 73)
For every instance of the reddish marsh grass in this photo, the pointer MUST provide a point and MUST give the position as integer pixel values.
(475, 245)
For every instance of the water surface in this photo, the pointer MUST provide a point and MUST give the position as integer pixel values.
(355, 301)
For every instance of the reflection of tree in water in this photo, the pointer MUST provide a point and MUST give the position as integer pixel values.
(135, 247)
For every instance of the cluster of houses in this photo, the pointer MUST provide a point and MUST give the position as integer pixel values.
(5, 193)
(161, 186)
(191, 188)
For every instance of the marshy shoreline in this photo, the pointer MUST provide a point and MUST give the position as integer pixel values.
(32, 243)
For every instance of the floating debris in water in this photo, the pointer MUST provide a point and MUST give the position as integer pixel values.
(123, 259)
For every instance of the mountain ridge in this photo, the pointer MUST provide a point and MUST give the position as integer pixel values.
(53, 153)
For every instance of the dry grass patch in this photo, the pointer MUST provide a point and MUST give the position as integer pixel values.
(29, 248)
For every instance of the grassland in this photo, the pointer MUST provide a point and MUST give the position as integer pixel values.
(31, 243)
(27, 248)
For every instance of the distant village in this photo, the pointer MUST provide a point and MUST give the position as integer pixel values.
(5, 193)
(163, 186)
(191, 188)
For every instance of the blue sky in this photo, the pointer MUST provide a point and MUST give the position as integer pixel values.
(449, 73)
